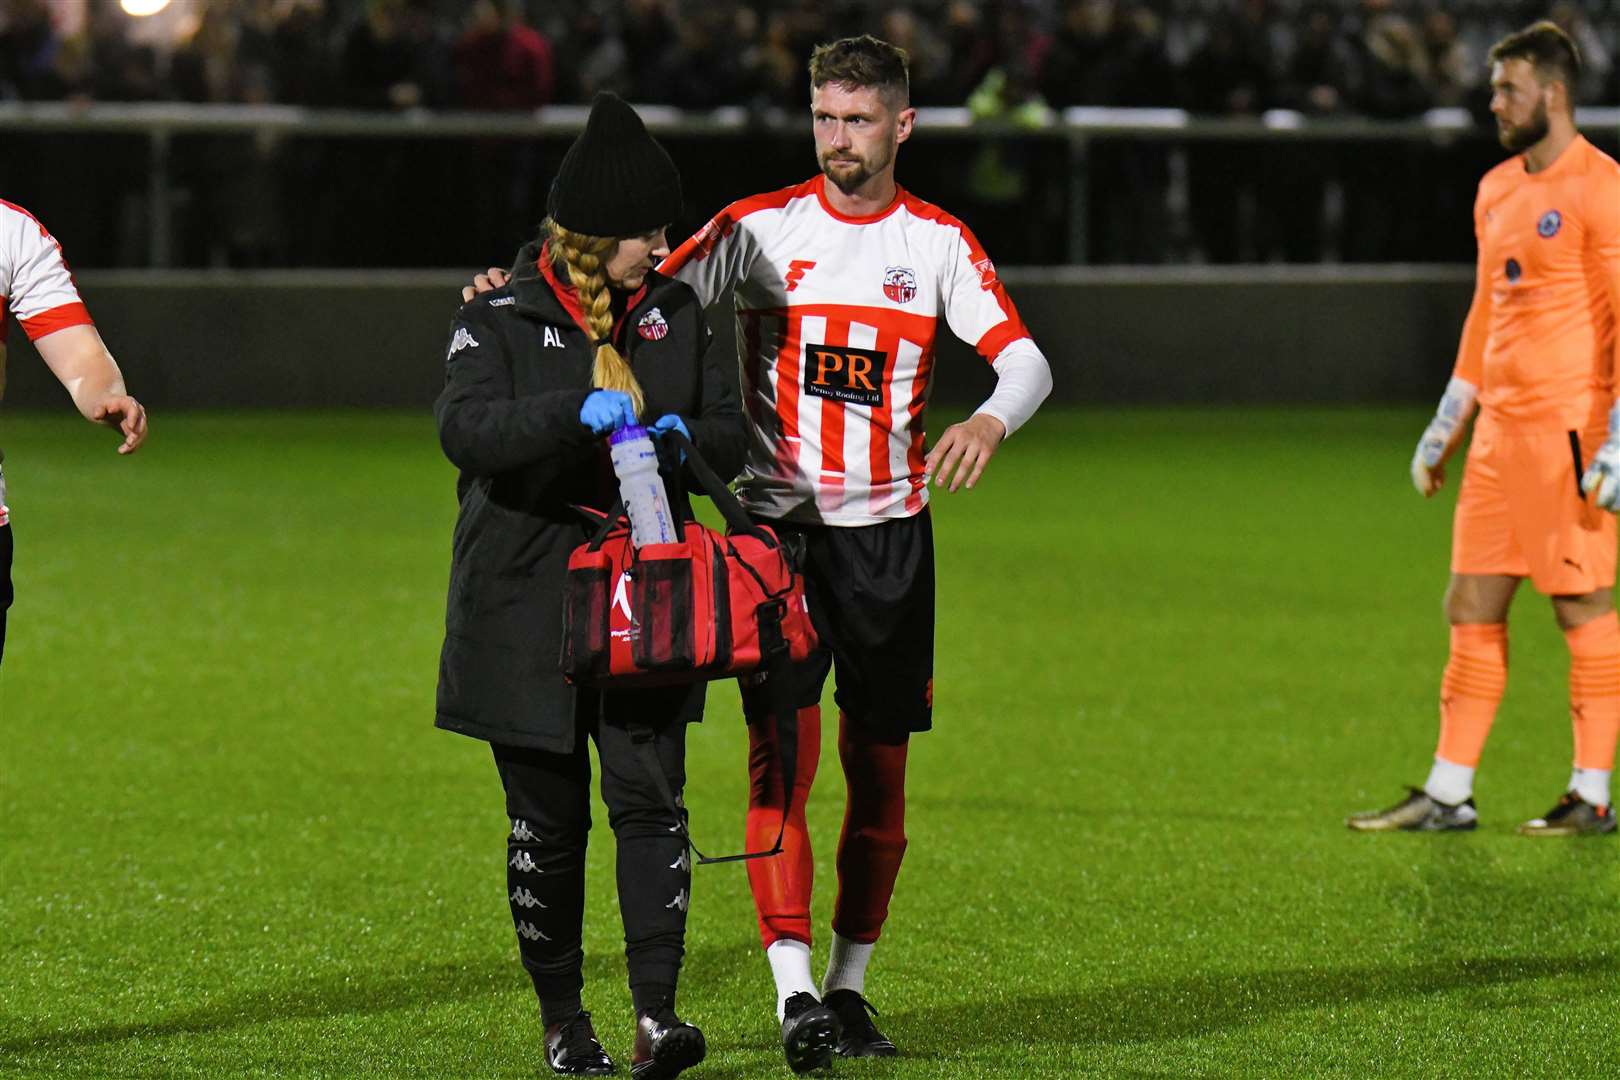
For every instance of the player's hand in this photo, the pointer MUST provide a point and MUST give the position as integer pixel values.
(127, 415)
(606, 411)
(1429, 463)
(963, 451)
(1603, 475)
(488, 281)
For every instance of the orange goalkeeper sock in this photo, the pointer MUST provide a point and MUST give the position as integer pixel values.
(1470, 691)
(1594, 690)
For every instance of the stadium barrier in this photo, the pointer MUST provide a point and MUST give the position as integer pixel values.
(1070, 135)
(1196, 335)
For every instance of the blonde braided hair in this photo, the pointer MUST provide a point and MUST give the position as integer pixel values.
(584, 258)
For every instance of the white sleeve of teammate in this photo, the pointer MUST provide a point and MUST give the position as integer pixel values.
(980, 312)
(1023, 379)
(717, 256)
(43, 295)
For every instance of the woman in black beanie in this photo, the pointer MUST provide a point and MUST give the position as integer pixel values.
(585, 338)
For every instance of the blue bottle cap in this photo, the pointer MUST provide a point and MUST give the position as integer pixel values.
(627, 434)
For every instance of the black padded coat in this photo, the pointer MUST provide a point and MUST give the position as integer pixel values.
(517, 370)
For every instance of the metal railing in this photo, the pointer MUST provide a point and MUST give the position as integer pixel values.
(1078, 127)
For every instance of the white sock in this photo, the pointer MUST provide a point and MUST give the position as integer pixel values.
(1591, 785)
(846, 966)
(1449, 782)
(790, 965)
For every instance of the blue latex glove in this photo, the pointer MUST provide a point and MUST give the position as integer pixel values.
(670, 422)
(606, 411)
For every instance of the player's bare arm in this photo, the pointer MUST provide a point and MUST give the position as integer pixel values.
(80, 361)
(1442, 437)
(961, 454)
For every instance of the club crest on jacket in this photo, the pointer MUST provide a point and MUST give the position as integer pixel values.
(652, 326)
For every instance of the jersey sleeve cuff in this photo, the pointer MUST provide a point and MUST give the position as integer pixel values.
(57, 318)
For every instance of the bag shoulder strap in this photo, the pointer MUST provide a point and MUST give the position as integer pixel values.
(737, 518)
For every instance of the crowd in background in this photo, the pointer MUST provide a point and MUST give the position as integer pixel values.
(1386, 58)
(1015, 60)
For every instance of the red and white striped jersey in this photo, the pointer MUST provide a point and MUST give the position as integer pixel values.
(836, 321)
(35, 283)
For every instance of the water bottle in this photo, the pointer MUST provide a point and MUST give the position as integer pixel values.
(645, 500)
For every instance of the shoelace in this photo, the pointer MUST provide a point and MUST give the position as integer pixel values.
(578, 1037)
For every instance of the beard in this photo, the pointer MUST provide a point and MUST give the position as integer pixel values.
(848, 172)
(1524, 136)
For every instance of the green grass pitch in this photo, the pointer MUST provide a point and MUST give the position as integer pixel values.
(1175, 649)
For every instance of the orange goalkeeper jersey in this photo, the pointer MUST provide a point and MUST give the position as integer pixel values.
(1540, 338)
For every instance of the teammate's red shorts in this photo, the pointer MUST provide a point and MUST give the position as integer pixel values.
(1521, 512)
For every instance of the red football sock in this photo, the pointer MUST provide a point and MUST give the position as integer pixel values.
(1471, 689)
(874, 838)
(1594, 690)
(781, 884)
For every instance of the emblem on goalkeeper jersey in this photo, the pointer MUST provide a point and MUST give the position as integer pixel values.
(652, 326)
(900, 284)
(1549, 224)
(854, 376)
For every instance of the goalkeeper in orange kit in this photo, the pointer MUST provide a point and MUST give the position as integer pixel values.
(1537, 358)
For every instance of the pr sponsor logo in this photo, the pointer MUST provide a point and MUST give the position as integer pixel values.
(838, 372)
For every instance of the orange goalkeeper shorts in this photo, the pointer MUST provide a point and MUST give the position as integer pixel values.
(1521, 512)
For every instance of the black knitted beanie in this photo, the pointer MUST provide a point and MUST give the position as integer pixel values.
(615, 180)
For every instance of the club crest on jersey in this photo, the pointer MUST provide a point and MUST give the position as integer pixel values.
(900, 284)
(652, 326)
(840, 373)
(1550, 223)
(987, 272)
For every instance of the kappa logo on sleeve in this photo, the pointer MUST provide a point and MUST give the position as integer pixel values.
(461, 339)
(840, 373)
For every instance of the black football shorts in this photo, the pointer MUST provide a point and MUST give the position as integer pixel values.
(870, 590)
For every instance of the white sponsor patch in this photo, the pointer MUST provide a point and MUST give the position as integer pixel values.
(461, 339)
(525, 899)
(531, 932)
(502, 301)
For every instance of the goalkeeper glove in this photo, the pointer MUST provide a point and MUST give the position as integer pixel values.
(1440, 438)
(1603, 475)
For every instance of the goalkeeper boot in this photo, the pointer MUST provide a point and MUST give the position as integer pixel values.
(861, 1037)
(1418, 812)
(665, 1045)
(1573, 816)
(572, 1049)
(809, 1032)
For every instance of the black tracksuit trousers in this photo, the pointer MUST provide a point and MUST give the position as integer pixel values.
(548, 810)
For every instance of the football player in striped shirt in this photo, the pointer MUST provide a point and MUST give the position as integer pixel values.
(37, 289)
(842, 285)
